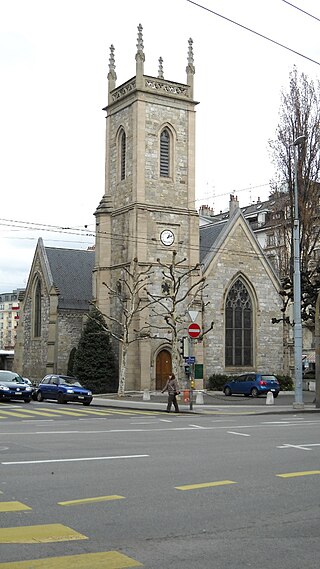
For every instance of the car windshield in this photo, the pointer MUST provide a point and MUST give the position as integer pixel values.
(9, 376)
(70, 381)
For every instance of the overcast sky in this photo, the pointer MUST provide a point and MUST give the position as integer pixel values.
(54, 62)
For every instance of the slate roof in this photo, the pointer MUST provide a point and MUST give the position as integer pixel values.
(209, 234)
(71, 271)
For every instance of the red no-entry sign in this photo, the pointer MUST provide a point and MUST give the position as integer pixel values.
(194, 330)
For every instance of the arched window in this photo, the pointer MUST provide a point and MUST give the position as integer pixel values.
(165, 153)
(123, 148)
(238, 327)
(37, 311)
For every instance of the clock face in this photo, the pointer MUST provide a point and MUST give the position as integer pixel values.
(167, 237)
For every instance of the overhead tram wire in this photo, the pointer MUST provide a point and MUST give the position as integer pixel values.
(253, 32)
(131, 239)
(300, 10)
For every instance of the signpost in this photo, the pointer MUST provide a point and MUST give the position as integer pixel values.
(194, 330)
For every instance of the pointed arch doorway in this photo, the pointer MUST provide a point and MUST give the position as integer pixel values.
(163, 368)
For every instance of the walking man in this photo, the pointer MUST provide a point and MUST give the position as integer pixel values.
(172, 387)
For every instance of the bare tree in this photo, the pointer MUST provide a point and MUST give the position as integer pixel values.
(181, 289)
(128, 293)
(299, 115)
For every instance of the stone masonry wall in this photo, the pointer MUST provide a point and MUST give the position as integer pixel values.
(239, 258)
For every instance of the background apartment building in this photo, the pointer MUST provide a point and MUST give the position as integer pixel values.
(9, 317)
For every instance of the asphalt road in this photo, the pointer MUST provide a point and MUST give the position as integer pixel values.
(158, 491)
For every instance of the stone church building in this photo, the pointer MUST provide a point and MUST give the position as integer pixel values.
(146, 213)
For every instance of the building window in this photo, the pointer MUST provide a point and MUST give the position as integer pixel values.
(123, 148)
(37, 311)
(165, 153)
(238, 327)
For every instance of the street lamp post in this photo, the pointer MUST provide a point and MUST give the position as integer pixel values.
(298, 401)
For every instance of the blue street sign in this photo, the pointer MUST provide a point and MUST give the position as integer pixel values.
(190, 360)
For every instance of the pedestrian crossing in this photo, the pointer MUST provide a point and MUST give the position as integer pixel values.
(46, 412)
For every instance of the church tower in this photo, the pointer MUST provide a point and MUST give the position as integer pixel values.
(148, 208)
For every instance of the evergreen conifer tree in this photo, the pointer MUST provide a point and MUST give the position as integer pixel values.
(94, 363)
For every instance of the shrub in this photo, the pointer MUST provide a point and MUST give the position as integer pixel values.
(216, 381)
(286, 382)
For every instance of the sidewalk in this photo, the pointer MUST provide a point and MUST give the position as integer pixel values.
(208, 402)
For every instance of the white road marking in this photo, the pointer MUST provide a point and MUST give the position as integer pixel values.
(300, 447)
(197, 426)
(76, 459)
(241, 434)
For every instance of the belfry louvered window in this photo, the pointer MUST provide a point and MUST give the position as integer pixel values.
(122, 155)
(37, 311)
(165, 153)
(238, 326)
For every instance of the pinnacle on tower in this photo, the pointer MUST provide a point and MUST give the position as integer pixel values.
(140, 57)
(190, 69)
(112, 76)
(160, 72)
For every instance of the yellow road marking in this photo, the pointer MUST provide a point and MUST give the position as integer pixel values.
(12, 414)
(63, 412)
(204, 485)
(133, 412)
(29, 412)
(294, 474)
(107, 559)
(39, 534)
(88, 500)
(13, 507)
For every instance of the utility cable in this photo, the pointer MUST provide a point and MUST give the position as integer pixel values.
(253, 32)
(300, 10)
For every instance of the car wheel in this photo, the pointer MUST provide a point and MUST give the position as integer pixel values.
(254, 392)
(227, 391)
(39, 396)
(27, 400)
(86, 403)
(276, 394)
(61, 398)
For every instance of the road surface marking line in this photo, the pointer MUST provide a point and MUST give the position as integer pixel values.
(62, 412)
(240, 434)
(36, 412)
(90, 500)
(13, 507)
(197, 426)
(300, 447)
(295, 474)
(12, 414)
(49, 533)
(204, 485)
(108, 559)
(75, 459)
(80, 412)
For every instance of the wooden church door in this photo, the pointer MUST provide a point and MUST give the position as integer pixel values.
(163, 368)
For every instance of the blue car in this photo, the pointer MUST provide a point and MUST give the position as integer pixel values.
(13, 386)
(62, 388)
(253, 384)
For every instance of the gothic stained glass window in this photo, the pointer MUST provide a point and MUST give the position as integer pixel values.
(238, 326)
(165, 153)
(37, 311)
(122, 155)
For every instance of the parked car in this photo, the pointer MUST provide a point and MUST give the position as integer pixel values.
(13, 386)
(253, 384)
(63, 388)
